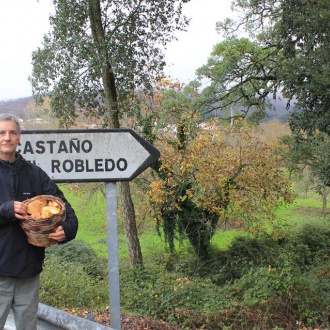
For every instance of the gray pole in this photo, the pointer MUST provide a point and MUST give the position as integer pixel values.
(113, 263)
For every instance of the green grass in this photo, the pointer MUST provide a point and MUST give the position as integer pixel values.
(92, 218)
(223, 238)
(93, 228)
(303, 209)
(93, 225)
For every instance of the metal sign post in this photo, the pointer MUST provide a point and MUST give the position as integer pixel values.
(109, 156)
(113, 263)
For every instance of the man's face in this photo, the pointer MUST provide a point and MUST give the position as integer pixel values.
(9, 137)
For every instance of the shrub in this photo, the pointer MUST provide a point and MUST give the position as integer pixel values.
(309, 244)
(168, 296)
(312, 296)
(302, 247)
(74, 277)
(69, 286)
(243, 254)
(79, 252)
(259, 283)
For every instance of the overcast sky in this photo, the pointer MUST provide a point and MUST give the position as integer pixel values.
(24, 22)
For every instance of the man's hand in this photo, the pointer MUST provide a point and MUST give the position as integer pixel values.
(20, 210)
(59, 235)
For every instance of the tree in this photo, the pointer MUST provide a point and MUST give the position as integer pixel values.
(241, 75)
(210, 173)
(97, 53)
(306, 153)
(288, 53)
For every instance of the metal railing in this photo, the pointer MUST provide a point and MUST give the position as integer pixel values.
(50, 318)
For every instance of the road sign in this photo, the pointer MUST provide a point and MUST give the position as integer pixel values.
(107, 155)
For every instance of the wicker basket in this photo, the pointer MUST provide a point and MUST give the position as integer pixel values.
(36, 227)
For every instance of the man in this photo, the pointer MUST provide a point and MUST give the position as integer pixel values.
(20, 262)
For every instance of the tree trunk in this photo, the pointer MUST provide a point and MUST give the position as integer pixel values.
(111, 102)
(324, 199)
(132, 237)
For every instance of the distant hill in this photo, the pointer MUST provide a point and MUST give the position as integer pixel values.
(15, 107)
(281, 113)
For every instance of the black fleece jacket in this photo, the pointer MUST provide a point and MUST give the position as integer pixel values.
(19, 181)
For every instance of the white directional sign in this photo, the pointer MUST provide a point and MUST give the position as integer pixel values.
(107, 155)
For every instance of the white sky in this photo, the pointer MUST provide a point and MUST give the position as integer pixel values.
(24, 22)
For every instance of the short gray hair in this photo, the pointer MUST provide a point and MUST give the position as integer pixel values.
(10, 117)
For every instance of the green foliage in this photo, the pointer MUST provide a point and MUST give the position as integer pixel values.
(245, 252)
(74, 276)
(275, 280)
(266, 298)
(299, 248)
(259, 282)
(167, 296)
(80, 253)
(288, 53)
(309, 244)
(237, 83)
(67, 285)
(299, 151)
